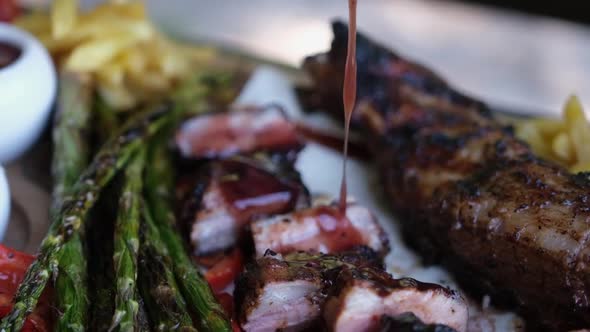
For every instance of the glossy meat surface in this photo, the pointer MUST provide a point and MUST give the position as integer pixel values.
(320, 228)
(229, 194)
(467, 190)
(361, 296)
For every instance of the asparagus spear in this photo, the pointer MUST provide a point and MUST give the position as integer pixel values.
(164, 303)
(67, 222)
(127, 245)
(196, 290)
(100, 227)
(70, 157)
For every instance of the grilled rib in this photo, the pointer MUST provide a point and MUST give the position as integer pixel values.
(231, 193)
(287, 293)
(243, 131)
(360, 296)
(345, 292)
(503, 220)
(320, 228)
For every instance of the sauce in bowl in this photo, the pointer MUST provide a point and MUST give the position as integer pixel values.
(9, 53)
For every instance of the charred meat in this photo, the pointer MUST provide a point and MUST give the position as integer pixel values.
(231, 193)
(321, 228)
(344, 292)
(273, 294)
(506, 222)
(359, 297)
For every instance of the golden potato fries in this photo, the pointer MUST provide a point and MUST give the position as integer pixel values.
(64, 14)
(116, 44)
(566, 140)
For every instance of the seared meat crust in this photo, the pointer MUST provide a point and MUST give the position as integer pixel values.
(504, 221)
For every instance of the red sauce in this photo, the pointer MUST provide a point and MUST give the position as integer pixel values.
(252, 191)
(337, 232)
(8, 54)
(332, 141)
(348, 92)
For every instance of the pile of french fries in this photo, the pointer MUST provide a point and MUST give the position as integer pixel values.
(116, 44)
(566, 140)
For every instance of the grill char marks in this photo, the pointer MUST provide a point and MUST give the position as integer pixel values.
(537, 216)
(360, 296)
(344, 292)
(287, 293)
(505, 221)
(273, 295)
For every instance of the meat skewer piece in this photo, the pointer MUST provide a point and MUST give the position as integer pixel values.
(303, 290)
(237, 191)
(507, 223)
(360, 296)
(321, 228)
(220, 135)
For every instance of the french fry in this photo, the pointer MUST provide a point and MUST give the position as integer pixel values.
(565, 140)
(573, 111)
(132, 10)
(111, 74)
(90, 56)
(549, 128)
(118, 96)
(64, 14)
(562, 147)
(529, 133)
(117, 45)
(580, 137)
(580, 167)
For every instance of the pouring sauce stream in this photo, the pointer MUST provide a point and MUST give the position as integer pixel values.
(348, 92)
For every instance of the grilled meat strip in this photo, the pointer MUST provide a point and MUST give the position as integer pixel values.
(287, 293)
(231, 193)
(360, 296)
(242, 131)
(503, 220)
(345, 292)
(321, 228)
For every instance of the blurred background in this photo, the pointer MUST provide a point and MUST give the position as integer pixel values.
(521, 56)
(514, 59)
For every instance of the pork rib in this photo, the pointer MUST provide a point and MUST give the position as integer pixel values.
(503, 220)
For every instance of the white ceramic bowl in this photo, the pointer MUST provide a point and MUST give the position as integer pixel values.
(4, 203)
(27, 91)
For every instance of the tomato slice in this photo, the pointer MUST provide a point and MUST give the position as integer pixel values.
(225, 271)
(13, 266)
(227, 302)
(8, 10)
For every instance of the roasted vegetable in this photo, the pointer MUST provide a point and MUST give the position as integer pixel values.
(71, 154)
(72, 214)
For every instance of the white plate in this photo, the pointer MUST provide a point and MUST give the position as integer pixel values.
(4, 203)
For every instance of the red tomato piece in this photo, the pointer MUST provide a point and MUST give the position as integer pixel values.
(225, 271)
(13, 266)
(227, 302)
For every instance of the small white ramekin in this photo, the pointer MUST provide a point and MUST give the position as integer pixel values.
(27, 91)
